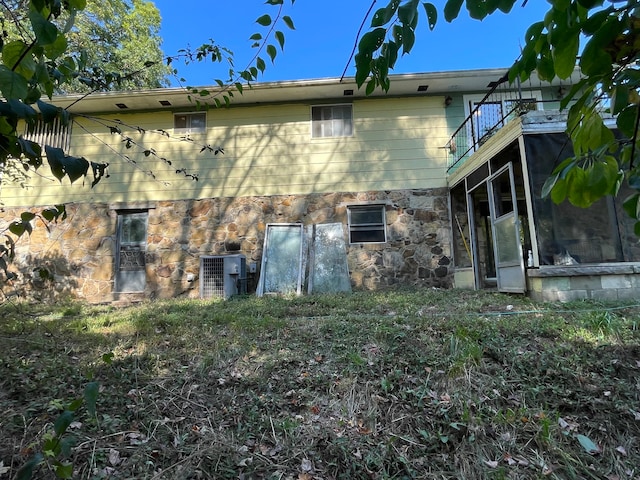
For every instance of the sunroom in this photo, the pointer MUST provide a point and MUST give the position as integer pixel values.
(505, 235)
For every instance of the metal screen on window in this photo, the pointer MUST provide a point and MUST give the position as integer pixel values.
(212, 277)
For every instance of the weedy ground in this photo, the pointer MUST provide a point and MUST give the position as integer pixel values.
(437, 384)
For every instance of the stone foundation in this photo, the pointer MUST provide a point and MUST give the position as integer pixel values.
(75, 257)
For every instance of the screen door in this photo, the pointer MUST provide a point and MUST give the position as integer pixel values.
(506, 231)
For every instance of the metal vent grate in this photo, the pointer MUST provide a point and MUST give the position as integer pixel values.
(222, 276)
(211, 277)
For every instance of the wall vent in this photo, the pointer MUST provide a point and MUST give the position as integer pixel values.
(222, 276)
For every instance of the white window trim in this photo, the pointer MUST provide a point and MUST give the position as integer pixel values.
(189, 130)
(324, 105)
(383, 225)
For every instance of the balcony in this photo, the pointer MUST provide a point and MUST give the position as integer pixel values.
(504, 102)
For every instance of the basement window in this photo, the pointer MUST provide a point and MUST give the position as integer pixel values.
(367, 224)
(331, 121)
(190, 122)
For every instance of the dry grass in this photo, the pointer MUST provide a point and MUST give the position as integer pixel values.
(399, 384)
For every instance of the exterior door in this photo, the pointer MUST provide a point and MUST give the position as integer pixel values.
(510, 274)
(131, 275)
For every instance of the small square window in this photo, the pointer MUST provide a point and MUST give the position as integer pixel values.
(367, 224)
(190, 122)
(331, 121)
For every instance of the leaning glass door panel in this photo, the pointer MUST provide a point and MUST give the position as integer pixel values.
(282, 260)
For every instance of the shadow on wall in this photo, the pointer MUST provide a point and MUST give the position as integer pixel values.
(41, 278)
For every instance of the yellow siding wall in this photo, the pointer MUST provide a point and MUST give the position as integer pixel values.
(268, 151)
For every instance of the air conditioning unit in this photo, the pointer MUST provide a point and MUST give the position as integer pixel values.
(222, 276)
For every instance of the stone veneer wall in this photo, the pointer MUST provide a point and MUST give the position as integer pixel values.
(76, 257)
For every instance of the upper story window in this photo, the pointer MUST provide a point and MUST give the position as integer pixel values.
(367, 224)
(190, 122)
(331, 121)
(56, 134)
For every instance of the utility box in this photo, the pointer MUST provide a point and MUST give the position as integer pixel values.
(222, 276)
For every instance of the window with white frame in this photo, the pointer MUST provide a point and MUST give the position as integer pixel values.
(190, 122)
(54, 134)
(367, 224)
(331, 121)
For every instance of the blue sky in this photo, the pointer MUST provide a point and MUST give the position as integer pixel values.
(326, 32)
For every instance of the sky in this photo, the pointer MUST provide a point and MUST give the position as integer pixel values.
(325, 34)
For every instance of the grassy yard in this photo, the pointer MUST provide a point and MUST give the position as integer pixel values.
(399, 384)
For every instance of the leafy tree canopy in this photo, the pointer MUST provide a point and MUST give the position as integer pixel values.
(117, 42)
(600, 37)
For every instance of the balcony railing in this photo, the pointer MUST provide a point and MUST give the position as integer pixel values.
(489, 114)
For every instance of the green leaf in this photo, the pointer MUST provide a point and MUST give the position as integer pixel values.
(77, 4)
(75, 405)
(17, 228)
(559, 191)
(26, 471)
(371, 86)
(546, 69)
(589, 4)
(452, 9)
(288, 22)
(371, 41)
(408, 12)
(27, 216)
(632, 206)
(63, 470)
(91, 396)
(549, 184)
(280, 37)
(272, 52)
(626, 121)
(408, 39)
(256, 37)
(16, 57)
(477, 9)
(264, 20)
(432, 14)
(62, 422)
(12, 85)
(381, 17)
(45, 31)
(619, 98)
(363, 68)
(22, 110)
(49, 112)
(565, 52)
(595, 60)
(392, 53)
(260, 64)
